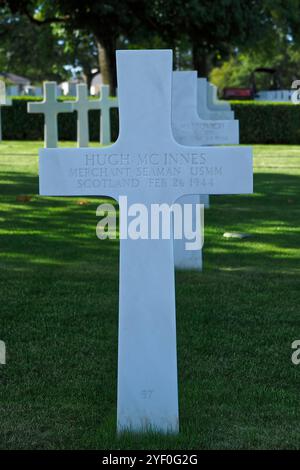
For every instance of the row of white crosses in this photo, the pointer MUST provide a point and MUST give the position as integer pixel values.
(4, 101)
(147, 358)
(50, 107)
(194, 108)
(197, 119)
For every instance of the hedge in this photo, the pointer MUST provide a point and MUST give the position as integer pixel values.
(260, 122)
(268, 123)
(17, 124)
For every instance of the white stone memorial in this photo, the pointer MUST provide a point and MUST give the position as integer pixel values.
(4, 101)
(105, 104)
(148, 166)
(214, 112)
(82, 105)
(50, 107)
(188, 127)
(213, 101)
(187, 99)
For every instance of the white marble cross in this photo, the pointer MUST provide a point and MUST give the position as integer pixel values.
(4, 101)
(82, 105)
(188, 127)
(206, 108)
(105, 103)
(213, 101)
(189, 99)
(148, 166)
(50, 107)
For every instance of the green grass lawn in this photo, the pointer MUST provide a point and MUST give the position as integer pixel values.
(235, 321)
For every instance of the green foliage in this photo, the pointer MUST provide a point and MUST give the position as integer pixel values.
(203, 34)
(80, 49)
(234, 72)
(260, 122)
(268, 123)
(281, 54)
(31, 51)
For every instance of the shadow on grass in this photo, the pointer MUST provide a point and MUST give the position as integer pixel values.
(236, 322)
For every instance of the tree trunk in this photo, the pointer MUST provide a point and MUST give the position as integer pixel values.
(88, 77)
(107, 63)
(200, 62)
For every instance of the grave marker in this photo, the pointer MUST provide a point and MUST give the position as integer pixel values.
(50, 107)
(4, 101)
(213, 101)
(144, 154)
(82, 105)
(214, 112)
(105, 104)
(189, 129)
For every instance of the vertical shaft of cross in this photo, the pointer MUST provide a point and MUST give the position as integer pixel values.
(50, 107)
(147, 389)
(213, 101)
(187, 90)
(105, 116)
(211, 111)
(190, 259)
(50, 123)
(50, 130)
(82, 115)
(7, 103)
(147, 361)
(4, 101)
(146, 106)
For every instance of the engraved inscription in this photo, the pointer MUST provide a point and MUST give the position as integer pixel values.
(147, 394)
(205, 131)
(145, 170)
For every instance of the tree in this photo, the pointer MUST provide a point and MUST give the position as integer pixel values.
(27, 50)
(282, 54)
(277, 47)
(80, 49)
(209, 29)
(106, 20)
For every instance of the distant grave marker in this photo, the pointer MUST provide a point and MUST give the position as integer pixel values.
(213, 101)
(50, 107)
(207, 109)
(82, 105)
(105, 104)
(4, 101)
(194, 124)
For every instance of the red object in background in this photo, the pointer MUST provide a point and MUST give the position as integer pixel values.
(238, 94)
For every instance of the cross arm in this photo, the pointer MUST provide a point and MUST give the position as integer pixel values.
(59, 107)
(33, 107)
(167, 175)
(6, 101)
(99, 104)
(67, 107)
(215, 170)
(69, 172)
